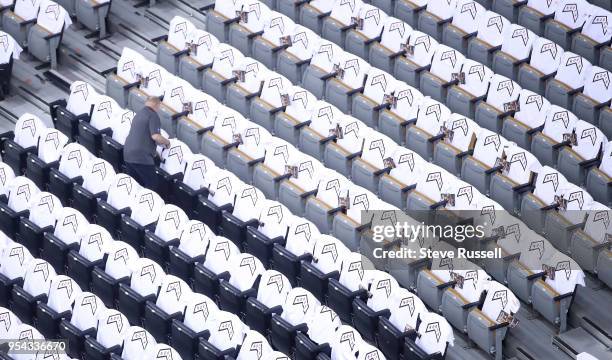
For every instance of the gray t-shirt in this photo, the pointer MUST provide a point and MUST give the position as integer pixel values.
(139, 147)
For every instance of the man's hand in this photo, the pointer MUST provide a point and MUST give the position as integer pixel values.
(160, 140)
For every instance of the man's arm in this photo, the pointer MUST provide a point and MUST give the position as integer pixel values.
(160, 140)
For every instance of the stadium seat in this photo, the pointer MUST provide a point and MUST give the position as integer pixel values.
(144, 284)
(478, 168)
(328, 254)
(339, 154)
(276, 36)
(436, 16)
(344, 341)
(136, 341)
(348, 226)
(349, 80)
(297, 308)
(244, 214)
(421, 137)
(587, 244)
(488, 39)
(190, 129)
(43, 210)
(445, 63)
(272, 289)
(419, 52)
(28, 130)
(121, 191)
(221, 193)
(405, 309)
(271, 229)
(409, 11)
(200, 57)
(299, 244)
(592, 38)
(94, 16)
(194, 240)
(321, 208)
(219, 20)
(268, 175)
(146, 206)
(245, 271)
(81, 262)
(384, 52)
(366, 313)
(508, 186)
(153, 81)
(170, 304)
(569, 19)
(374, 160)
(185, 192)
(89, 133)
(166, 234)
(273, 98)
(464, 96)
(433, 283)
(215, 267)
(109, 335)
(558, 125)
(196, 323)
(175, 104)
(588, 104)
(545, 59)
(452, 150)
(576, 159)
(535, 15)
(174, 45)
(598, 178)
(105, 283)
(568, 81)
(247, 86)
(463, 26)
(97, 177)
(38, 166)
(315, 340)
(295, 191)
(323, 66)
(253, 16)
(394, 121)
(359, 40)
(395, 186)
(342, 291)
(515, 50)
(36, 282)
(7, 176)
(321, 130)
(12, 269)
(226, 335)
(173, 160)
(18, 20)
(111, 147)
(335, 26)
(45, 37)
(21, 190)
(297, 114)
(502, 100)
(126, 76)
(528, 120)
(293, 61)
(59, 305)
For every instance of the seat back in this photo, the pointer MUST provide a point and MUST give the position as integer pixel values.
(379, 85)
(257, 15)
(597, 84)
(499, 298)
(606, 159)
(477, 77)
(195, 237)
(15, 259)
(332, 187)
(196, 169)
(274, 219)
(173, 295)
(422, 48)
(86, 310)
(273, 288)
(170, 222)
(395, 33)
(21, 192)
(69, 225)
(435, 333)
(103, 112)
(226, 58)
(204, 109)
(82, 98)
(129, 65)
(222, 187)
(28, 130)
(228, 331)
(26, 9)
(304, 42)
(491, 28)
(373, 20)
(381, 285)
(322, 324)
(249, 202)
(227, 9)
(407, 101)
(502, 93)
(466, 15)
(406, 165)
(309, 172)
(532, 108)
(589, 140)
(278, 28)
(6, 176)
(37, 277)
(255, 342)
(98, 176)
(328, 254)
(174, 158)
(177, 94)
(367, 351)
(597, 224)
(136, 341)
(521, 164)
(572, 13)
(74, 160)
(95, 242)
(489, 147)
(122, 190)
(301, 236)
(200, 313)
(573, 70)
(121, 124)
(544, 7)
(301, 104)
(253, 139)
(146, 277)
(325, 117)
(179, 32)
(597, 26)
(50, 145)
(274, 88)
(345, 342)
(432, 115)
(360, 204)
(62, 293)
(112, 326)
(53, 17)
(299, 305)
(11, 322)
(463, 130)
(548, 184)
(344, 11)
(227, 124)
(254, 73)
(146, 207)
(578, 202)
(246, 269)
(353, 270)
(326, 55)
(351, 133)
(546, 55)
(44, 209)
(405, 308)
(518, 41)
(378, 149)
(446, 62)
(442, 8)
(567, 274)
(121, 257)
(558, 122)
(279, 155)
(354, 70)
(219, 253)
(203, 45)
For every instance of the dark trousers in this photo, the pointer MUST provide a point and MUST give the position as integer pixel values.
(5, 77)
(144, 174)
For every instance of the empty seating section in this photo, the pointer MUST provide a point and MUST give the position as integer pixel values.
(293, 127)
